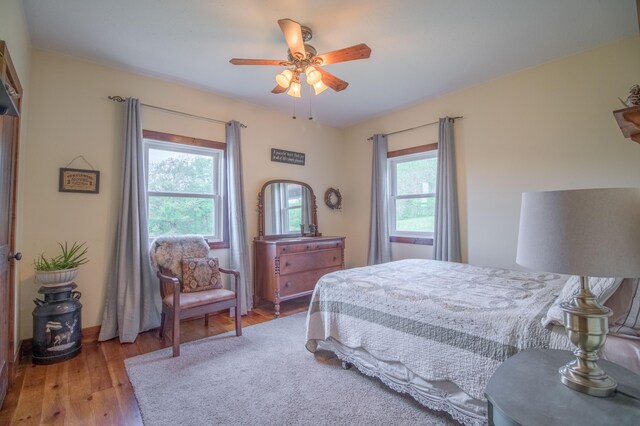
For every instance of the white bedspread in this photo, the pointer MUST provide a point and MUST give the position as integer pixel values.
(441, 320)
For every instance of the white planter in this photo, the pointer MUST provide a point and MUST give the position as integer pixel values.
(56, 278)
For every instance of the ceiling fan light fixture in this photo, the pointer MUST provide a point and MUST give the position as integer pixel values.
(319, 87)
(313, 75)
(284, 78)
(294, 89)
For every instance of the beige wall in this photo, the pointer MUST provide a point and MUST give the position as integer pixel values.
(548, 127)
(71, 115)
(13, 30)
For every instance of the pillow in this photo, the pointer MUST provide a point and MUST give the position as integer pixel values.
(602, 288)
(200, 273)
(620, 301)
(628, 321)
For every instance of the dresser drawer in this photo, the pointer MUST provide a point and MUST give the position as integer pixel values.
(309, 246)
(294, 284)
(298, 262)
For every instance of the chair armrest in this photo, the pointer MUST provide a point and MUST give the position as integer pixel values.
(176, 289)
(236, 274)
(229, 271)
(168, 278)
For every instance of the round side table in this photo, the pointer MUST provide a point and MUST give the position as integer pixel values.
(526, 390)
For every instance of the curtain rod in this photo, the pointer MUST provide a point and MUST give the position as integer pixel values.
(121, 99)
(416, 127)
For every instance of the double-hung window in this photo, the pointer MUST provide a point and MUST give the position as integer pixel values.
(412, 187)
(185, 186)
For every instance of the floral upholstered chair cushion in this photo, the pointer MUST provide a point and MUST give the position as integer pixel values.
(200, 273)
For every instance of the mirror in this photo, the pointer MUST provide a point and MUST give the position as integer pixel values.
(285, 207)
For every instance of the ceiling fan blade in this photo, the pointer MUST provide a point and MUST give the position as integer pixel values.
(332, 81)
(239, 61)
(359, 51)
(293, 35)
(279, 89)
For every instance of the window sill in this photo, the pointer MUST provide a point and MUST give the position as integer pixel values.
(423, 241)
(218, 245)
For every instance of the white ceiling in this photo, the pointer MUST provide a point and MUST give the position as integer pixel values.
(420, 48)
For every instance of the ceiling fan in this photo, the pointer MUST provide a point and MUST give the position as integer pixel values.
(303, 59)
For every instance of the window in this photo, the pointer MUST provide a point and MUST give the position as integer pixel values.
(185, 187)
(412, 187)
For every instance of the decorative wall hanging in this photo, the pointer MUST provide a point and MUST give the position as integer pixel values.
(79, 180)
(333, 199)
(284, 156)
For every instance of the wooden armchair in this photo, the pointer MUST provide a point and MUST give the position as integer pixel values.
(170, 255)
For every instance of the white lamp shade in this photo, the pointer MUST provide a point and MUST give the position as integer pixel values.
(319, 87)
(313, 75)
(294, 90)
(284, 78)
(588, 232)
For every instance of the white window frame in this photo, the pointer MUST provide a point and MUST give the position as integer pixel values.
(218, 174)
(392, 168)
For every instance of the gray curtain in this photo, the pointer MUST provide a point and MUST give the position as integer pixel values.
(379, 246)
(446, 241)
(305, 207)
(132, 301)
(238, 245)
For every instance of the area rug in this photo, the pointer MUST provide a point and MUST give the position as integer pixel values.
(265, 377)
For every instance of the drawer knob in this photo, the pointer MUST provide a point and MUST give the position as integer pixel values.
(287, 284)
(308, 246)
(287, 264)
(334, 257)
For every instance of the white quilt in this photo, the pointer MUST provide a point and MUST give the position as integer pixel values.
(441, 320)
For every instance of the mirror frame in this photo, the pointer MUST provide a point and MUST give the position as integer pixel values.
(314, 207)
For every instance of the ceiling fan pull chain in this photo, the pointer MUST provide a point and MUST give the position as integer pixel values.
(310, 100)
(294, 108)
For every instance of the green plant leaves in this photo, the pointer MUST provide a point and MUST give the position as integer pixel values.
(71, 257)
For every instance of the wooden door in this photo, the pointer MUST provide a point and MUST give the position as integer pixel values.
(9, 126)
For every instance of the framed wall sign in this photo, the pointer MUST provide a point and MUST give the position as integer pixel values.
(79, 180)
(284, 156)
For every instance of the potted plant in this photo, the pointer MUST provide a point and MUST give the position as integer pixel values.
(62, 269)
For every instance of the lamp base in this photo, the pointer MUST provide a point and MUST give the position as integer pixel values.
(586, 322)
(588, 380)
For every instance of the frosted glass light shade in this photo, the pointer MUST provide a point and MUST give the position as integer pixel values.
(313, 75)
(294, 90)
(587, 232)
(284, 78)
(319, 87)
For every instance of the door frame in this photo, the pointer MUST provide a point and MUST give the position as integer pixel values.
(9, 74)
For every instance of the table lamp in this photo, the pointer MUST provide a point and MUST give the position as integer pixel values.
(584, 232)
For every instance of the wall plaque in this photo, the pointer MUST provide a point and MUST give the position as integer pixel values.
(79, 180)
(283, 156)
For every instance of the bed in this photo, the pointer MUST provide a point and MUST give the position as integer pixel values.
(436, 330)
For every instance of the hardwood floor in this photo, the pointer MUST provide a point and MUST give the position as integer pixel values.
(93, 388)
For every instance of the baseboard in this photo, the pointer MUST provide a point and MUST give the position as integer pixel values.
(17, 354)
(90, 334)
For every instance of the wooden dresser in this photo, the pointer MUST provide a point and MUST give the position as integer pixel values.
(287, 268)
